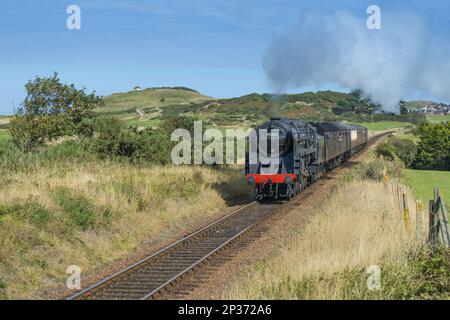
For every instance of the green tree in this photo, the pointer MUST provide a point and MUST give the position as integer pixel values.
(434, 147)
(51, 109)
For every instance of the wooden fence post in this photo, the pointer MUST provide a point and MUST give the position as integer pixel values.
(431, 225)
(419, 222)
(405, 211)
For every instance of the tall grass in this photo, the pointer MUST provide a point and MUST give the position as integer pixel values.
(88, 213)
(359, 225)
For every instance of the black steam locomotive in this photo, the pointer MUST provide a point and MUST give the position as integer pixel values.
(303, 153)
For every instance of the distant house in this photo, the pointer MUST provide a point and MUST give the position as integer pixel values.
(137, 88)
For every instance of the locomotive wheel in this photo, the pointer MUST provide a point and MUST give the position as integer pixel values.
(289, 193)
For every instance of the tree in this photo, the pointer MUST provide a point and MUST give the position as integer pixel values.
(403, 107)
(434, 147)
(51, 109)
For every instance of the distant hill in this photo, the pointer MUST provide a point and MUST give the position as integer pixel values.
(417, 104)
(150, 106)
(147, 100)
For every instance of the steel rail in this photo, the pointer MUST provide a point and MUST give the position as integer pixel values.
(97, 285)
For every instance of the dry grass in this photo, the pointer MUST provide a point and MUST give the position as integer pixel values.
(360, 224)
(98, 212)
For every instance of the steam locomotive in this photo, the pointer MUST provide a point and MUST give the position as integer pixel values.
(291, 154)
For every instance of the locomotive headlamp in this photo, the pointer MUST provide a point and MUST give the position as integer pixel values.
(251, 180)
(288, 180)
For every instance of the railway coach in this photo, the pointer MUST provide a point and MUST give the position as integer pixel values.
(291, 154)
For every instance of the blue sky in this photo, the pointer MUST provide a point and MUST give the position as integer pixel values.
(213, 46)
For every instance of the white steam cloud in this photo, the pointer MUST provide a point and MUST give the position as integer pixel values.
(388, 64)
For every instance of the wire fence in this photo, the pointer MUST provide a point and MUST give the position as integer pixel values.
(432, 228)
(438, 222)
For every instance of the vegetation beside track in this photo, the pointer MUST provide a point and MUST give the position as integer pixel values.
(91, 213)
(358, 226)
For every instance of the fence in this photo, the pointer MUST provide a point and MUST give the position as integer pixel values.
(438, 224)
(410, 210)
(437, 230)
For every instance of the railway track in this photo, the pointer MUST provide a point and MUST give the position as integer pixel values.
(152, 276)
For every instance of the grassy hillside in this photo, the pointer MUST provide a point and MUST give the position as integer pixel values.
(416, 104)
(148, 107)
(147, 99)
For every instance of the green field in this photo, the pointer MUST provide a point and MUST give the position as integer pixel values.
(438, 119)
(383, 125)
(423, 183)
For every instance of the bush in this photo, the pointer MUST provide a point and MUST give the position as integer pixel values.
(153, 146)
(50, 110)
(376, 168)
(111, 139)
(31, 211)
(394, 148)
(434, 147)
(386, 150)
(106, 137)
(79, 209)
(176, 122)
(405, 149)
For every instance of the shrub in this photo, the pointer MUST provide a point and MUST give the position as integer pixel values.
(434, 147)
(31, 211)
(107, 133)
(79, 209)
(178, 122)
(386, 150)
(111, 139)
(405, 149)
(50, 110)
(376, 168)
(394, 148)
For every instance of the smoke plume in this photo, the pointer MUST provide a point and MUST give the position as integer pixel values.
(389, 64)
